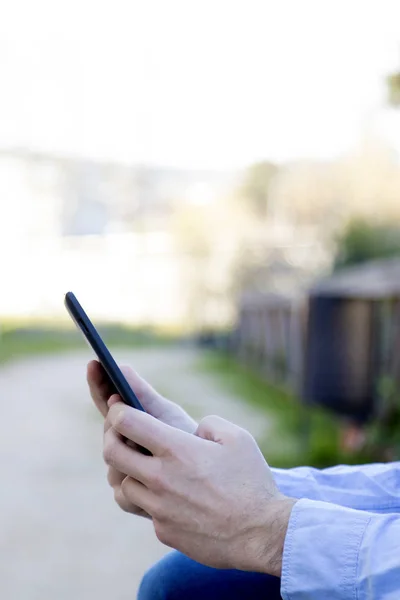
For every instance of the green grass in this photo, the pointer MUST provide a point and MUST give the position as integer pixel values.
(15, 343)
(299, 435)
(18, 341)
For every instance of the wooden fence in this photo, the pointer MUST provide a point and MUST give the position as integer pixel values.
(334, 346)
(271, 336)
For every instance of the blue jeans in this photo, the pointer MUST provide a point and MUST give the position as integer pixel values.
(177, 577)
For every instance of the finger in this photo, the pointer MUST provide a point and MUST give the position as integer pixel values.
(153, 402)
(127, 506)
(101, 389)
(99, 385)
(113, 400)
(114, 477)
(147, 431)
(115, 480)
(219, 430)
(107, 423)
(138, 495)
(123, 502)
(128, 460)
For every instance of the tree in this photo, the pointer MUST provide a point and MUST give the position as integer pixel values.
(362, 241)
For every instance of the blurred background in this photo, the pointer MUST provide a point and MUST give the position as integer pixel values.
(219, 184)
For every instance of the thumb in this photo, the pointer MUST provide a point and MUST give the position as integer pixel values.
(152, 401)
(156, 405)
(219, 430)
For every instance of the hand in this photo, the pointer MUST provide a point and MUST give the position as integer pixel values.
(211, 495)
(152, 402)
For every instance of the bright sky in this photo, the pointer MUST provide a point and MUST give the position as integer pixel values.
(194, 83)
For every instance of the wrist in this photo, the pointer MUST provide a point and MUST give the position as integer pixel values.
(272, 536)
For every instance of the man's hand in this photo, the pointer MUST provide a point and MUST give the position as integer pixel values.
(152, 402)
(210, 495)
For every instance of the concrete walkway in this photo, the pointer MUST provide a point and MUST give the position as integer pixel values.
(61, 536)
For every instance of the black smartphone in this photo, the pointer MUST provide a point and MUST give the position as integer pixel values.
(114, 373)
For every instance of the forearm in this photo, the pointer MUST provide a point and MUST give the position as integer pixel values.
(339, 553)
(367, 487)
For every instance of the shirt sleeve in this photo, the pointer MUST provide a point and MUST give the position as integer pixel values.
(373, 487)
(339, 553)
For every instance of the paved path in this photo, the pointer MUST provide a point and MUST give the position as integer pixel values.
(61, 536)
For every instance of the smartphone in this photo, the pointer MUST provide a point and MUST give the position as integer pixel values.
(114, 373)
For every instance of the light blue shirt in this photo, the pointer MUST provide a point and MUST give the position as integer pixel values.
(343, 539)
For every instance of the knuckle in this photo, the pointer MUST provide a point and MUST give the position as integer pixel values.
(122, 502)
(109, 450)
(118, 497)
(119, 418)
(214, 423)
(114, 477)
(210, 420)
(125, 486)
(157, 481)
(239, 434)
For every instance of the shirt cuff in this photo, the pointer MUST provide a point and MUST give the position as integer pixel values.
(321, 550)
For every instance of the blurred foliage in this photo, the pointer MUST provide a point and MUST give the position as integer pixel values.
(383, 433)
(256, 187)
(278, 228)
(393, 86)
(362, 241)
